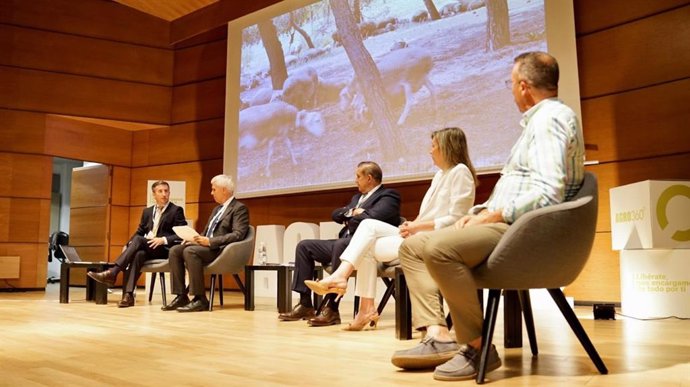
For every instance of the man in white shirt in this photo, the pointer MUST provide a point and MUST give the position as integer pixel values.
(545, 167)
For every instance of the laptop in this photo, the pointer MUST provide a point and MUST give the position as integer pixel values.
(71, 255)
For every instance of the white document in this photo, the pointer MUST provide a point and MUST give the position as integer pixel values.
(185, 232)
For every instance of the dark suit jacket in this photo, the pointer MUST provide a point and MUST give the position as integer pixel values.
(384, 205)
(232, 227)
(172, 216)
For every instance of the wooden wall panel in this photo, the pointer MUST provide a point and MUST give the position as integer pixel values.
(197, 176)
(212, 17)
(22, 132)
(198, 101)
(42, 91)
(29, 48)
(121, 186)
(202, 140)
(23, 220)
(218, 33)
(593, 15)
(25, 176)
(134, 219)
(201, 62)
(99, 19)
(599, 281)
(81, 140)
(643, 53)
(641, 123)
(119, 225)
(33, 264)
(90, 186)
(88, 226)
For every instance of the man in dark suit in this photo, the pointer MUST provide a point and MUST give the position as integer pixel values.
(152, 240)
(372, 201)
(229, 222)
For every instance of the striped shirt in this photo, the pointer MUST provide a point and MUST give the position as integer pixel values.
(545, 166)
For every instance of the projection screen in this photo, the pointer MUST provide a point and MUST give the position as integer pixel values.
(299, 121)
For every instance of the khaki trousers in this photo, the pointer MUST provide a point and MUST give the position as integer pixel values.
(443, 260)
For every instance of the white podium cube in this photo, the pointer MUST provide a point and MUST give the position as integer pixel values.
(655, 283)
(651, 214)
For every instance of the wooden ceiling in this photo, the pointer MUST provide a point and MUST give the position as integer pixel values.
(167, 9)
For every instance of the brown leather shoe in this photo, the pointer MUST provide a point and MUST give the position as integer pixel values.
(299, 312)
(327, 317)
(105, 277)
(126, 301)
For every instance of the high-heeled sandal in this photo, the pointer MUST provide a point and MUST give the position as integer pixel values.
(371, 320)
(322, 289)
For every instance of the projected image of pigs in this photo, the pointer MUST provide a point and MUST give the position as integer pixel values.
(333, 83)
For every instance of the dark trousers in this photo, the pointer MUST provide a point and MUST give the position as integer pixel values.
(310, 251)
(132, 259)
(195, 258)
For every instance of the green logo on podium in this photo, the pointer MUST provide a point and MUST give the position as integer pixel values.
(661, 204)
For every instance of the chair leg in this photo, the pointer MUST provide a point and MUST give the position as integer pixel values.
(163, 290)
(239, 283)
(220, 288)
(390, 288)
(403, 310)
(356, 307)
(577, 328)
(213, 288)
(151, 285)
(488, 331)
(526, 306)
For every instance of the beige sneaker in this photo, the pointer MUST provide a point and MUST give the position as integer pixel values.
(465, 364)
(427, 354)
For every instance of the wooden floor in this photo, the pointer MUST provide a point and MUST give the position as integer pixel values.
(45, 343)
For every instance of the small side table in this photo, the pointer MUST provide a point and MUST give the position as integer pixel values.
(284, 274)
(95, 291)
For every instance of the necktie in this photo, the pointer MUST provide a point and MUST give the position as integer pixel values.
(214, 222)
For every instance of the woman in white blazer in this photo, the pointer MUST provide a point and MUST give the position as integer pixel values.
(449, 197)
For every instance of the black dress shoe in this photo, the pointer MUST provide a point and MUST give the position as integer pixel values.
(198, 305)
(126, 301)
(105, 277)
(299, 312)
(327, 317)
(179, 301)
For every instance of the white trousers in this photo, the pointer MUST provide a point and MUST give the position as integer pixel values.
(374, 241)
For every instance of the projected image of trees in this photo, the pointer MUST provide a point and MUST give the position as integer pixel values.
(325, 86)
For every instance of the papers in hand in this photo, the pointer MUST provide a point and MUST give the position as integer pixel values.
(185, 232)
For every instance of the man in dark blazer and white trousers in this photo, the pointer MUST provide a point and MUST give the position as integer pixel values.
(152, 240)
(372, 201)
(229, 222)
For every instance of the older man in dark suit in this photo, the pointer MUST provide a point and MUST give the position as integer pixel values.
(229, 222)
(152, 240)
(373, 201)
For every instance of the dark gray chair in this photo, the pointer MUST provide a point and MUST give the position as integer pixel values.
(232, 260)
(160, 267)
(544, 249)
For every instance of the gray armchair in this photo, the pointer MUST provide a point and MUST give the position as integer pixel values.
(232, 259)
(544, 249)
(160, 267)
